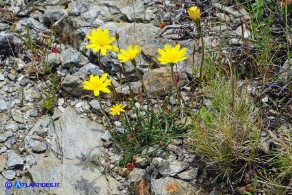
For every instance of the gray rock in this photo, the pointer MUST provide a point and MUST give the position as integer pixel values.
(102, 12)
(21, 126)
(8, 40)
(169, 167)
(5, 136)
(286, 70)
(135, 11)
(119, 127)
(2, 162)
(223, 17)
(30, 160)
(77, 9)
(4, 26)
(53, 14)
(219, 28)
(168, 186)
(6, 191)
(106, 136)
(9, 174)
(83, 107)
(36, 25)
(135, 86)
(244, 13)
(45, 122)
(53, 59)
(17, 116)
(13, 160)
(136, 175)
(78, 141)
(158, 82)
(235, 41)
(141, 162)
(3, 149)
(3, 105)
(35, 145)
(95, 104)
(42, 132)
(33, 112)
(229, 10)
(72, 84)
(246, 32)
(71, 57)
(65, 28)
(90, 69)
(12, 126)
(146, 42)
(189, 174)
(2, 78)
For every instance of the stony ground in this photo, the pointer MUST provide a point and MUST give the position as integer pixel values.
(70, 145)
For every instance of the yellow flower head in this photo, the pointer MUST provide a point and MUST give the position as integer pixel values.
(194, 13)
(117, 109)
(171, 55)
(97, 84)
(101, 41)
(129, 55)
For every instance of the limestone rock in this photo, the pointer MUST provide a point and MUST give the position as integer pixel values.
(168, 186)
(158, 82)
(169, 167)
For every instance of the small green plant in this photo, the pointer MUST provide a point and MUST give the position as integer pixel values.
(28, 41)
(278, 176)
(227, 132)
(49, 101)
(148, 129)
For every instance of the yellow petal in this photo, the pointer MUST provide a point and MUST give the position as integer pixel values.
(94, 33)
(103, 51)
(96, 92)
(167, 48)
(89, 46)
(107, 82)
(177, 47)
(161, 52)
(96, 48)
(103, 77)
(88, 36)
(105, 90)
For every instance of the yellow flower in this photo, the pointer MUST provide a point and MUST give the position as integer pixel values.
(97, 84)
(117, 109)
(171, 54)
(100, 40)
(194, 13)
(129, 55)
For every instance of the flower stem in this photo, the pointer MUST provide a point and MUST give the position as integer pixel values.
(102, 67)
(203, 50)
(124, 71)
(179, 96)
(140, 78)
(128, 82)
(103, 112)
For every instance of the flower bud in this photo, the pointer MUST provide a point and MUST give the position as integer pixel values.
(194, 13)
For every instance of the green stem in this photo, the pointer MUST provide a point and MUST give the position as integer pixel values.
(103, 112)
(140, 78)
(128, 82)
(102, 67)
(124, 72)
(179, 96)
(287, 41)
(203, 50)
